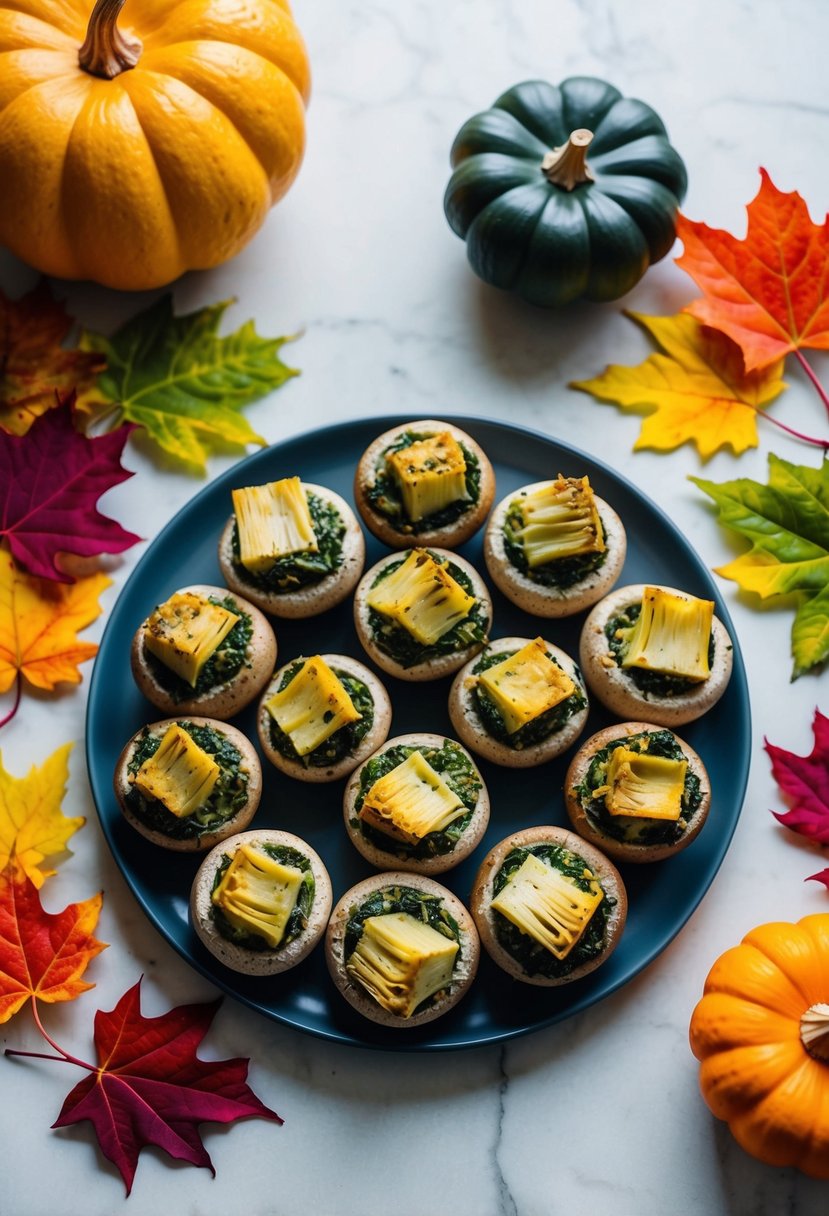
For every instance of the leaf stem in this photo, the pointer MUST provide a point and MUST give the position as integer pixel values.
(817, 443)
(810, 372)
(63, 1057)
(18, 683)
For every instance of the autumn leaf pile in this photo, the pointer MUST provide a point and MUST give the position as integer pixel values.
(181, 382)
(719, 366)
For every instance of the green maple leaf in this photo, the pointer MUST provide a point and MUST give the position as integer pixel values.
(787, 522)
(186, 385)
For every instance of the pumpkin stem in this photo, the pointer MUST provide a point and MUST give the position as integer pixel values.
(814, 1032)
(106, 51)
(567, 166)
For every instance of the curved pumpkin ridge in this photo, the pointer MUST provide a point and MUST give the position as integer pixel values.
(496, 132)
(747, 971)
(22, 31)
(723, 1021)
(618, 249)
(257, 25)
(29, 67)
(559, 248)
(215, 212)
(585, 102)
(116, 177)
(648, 204)
(814, 1160)
(34, 128)
(779, 1127)
(537, 106)
(627, 120)
(68, 16)
(815, 984)
(229, 78)
(733, 1082)
(793, 950)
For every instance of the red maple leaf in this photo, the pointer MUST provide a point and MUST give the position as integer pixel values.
(823, 877)
(52, 477)
(150, 1087)
(769, 291)
(805, 781)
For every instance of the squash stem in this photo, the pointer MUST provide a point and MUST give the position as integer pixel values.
(567, 166)
(814, 1032)
(106, 51)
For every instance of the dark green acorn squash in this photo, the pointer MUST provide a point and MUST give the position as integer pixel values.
(565, 191)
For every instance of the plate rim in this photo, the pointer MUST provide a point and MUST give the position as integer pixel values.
(324, 435)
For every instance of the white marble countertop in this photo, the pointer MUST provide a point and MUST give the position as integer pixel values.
(602, 1111)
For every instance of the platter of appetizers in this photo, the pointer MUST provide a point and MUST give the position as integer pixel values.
(410, 625)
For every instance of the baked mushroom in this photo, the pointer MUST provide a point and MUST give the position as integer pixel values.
(422, 614)
(321, 716)
(637, 791)
(293, 548)
(419, 803)
(260, 901)
(426, 483)
(187, 783)
(549, 906)
(656, 654)
(554, 547)
(402, 949)
(203, 651)
(519, 703)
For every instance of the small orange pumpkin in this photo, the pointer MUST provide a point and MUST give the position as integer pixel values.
(761, 1032)
(128, 156)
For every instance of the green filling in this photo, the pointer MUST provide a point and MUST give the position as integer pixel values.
(631, 830)
(343, 741)
(457, 771)
(225, 662)
(399, 645)
(561, 574)
(228, 796)
(297, 921)
(301, 569)
(532, 956)
(535, 731)
(419, 904)
(384, 495)
(655, 683)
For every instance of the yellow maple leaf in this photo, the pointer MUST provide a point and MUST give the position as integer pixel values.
(697, 391)
(32, 825)
(38, 623)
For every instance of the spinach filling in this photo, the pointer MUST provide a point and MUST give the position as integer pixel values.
(298, 919)
(228, 796)
(301, 569)
(532, 956)
(534, 731)
(560, 574)
(456, 769)
(343, 741)
(653, 683)
(395, 641)
(385, 498)
(419, 904)
(226, 661)
(629, 829)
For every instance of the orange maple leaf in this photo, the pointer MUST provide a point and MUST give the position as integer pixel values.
(35, 368)
(43, 955)
(32, 826)
(38, 623)
(770, 290)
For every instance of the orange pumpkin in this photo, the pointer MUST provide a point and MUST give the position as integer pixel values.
(130, 155)
(761, 1031)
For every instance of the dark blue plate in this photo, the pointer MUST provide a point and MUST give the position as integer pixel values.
(662, 897)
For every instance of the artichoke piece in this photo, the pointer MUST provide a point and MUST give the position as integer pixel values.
(312, 706)
(273, 521)
(258, 894)
(643, 786)
(186, 631)
(671, 635)
(526, 685)
(560, 520)
(422, 596)
(180, 774)
(411, 801)
(549, 907)
(401, 961)
(430, 474)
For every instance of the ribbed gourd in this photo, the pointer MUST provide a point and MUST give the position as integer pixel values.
(567, 191)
